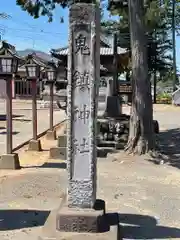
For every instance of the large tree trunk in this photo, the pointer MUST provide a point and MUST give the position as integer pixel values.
(141, 136)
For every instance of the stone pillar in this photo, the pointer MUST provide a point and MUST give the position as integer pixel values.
(113, 104)
(81, 106)
(79, 214)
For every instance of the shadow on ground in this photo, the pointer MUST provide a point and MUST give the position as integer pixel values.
(168, 144)
(19, 219)
(103, 152)
(5, 133)
(22, 120)
(134, 226)
(3, 116)
(60, 165)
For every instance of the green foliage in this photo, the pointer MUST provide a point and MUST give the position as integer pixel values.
(164, 98)
(37, 8)
(157, 20)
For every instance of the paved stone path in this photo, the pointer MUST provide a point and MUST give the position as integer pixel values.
(22, 122)
(146, 195)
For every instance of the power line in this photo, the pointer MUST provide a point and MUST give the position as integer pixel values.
(2, 30)
(29, 37)
(33, 27)
(30, 31)
(23, 23)
(34, 37)
(33, 41)
(20, 21)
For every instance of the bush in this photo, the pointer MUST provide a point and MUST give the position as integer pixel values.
(164, 98)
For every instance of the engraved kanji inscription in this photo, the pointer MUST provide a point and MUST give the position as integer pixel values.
(81, 46)
(80, 146)
(81, 80)
(80, 14)
(82, 114)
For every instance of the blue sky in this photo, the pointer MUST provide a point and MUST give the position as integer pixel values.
(24, 32)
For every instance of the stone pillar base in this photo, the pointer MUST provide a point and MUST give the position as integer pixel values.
(81, 220)
(57, 153)
(51, 135)
(62, 141)
(35, 145)
(10, 161)
(113, 107)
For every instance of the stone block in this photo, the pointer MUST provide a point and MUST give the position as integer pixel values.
(62, 141)
(58, 153)
(35, 145)
(10, 161)
(111, 225)
(81, 220)
(51, 135)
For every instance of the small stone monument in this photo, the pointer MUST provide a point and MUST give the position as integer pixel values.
(79, 214)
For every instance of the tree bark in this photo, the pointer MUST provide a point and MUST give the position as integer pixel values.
(141, 134)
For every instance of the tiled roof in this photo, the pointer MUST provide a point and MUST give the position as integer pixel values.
(103, 51)
(10, 48)
(104, 41)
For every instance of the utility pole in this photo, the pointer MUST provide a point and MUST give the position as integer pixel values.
(174, 43)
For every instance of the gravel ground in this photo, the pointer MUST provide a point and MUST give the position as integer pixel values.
(22, 122)
(145, 195)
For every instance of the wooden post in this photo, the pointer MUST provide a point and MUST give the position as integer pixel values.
(34, 144)
(9, 160)
(9, 115)
(34, 108)
(51, 85)
(51, 133)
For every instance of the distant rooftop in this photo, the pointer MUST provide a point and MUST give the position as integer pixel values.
(103, 51)
(106, 48)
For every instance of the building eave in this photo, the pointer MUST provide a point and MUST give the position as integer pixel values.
(103, 52)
